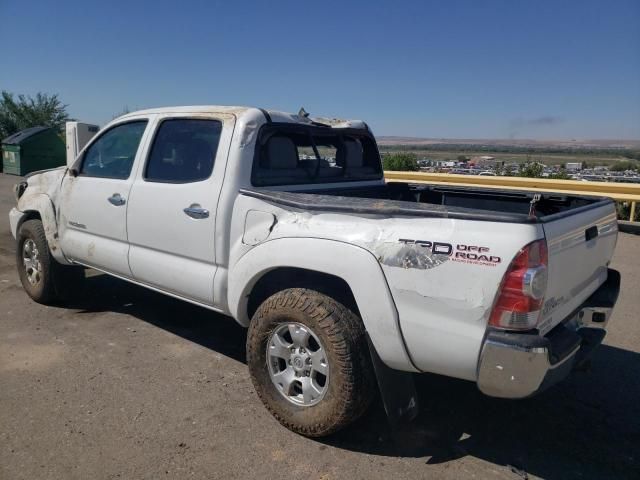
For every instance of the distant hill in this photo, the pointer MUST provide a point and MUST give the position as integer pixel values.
(573, 143)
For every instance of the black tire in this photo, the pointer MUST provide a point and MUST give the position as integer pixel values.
(351, 382)
(55, 282)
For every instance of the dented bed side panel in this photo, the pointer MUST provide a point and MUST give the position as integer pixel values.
(351, 263)
(444, 310)
(442, 274)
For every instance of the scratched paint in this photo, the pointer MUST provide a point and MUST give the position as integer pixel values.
(379, 240)
(40, 196)
(408, 256)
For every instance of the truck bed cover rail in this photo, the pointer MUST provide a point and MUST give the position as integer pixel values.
(344, 204)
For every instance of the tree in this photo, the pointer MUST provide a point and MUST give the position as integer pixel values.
(532, 170)
(509, 170)
(26, 111)
(463, 158)
(623, 165)
(400, 162)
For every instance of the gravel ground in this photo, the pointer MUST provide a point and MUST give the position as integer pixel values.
(127, 383)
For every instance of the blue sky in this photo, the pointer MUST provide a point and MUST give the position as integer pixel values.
(456, 69)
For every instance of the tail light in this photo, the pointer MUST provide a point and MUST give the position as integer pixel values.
(522, 290)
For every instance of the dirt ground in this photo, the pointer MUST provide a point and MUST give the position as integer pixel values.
(127, 383)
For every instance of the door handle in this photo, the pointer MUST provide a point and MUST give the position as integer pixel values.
(591, 233)
(117, 200)
(196, 211)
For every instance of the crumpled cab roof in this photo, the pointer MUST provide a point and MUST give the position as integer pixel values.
(274, 115)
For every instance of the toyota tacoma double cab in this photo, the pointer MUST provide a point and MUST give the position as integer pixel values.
(347, 283)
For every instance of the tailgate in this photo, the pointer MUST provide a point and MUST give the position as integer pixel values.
(580, 246)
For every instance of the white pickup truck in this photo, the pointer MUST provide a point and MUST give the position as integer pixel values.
(286, 224)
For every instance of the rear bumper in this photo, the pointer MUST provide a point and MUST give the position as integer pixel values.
(518, 365)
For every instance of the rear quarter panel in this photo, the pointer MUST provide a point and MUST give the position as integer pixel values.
(444, 305)
(443, 300)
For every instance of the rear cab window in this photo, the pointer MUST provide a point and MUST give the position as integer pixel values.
(290, 154)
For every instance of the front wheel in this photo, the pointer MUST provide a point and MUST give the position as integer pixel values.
(45, 280)
(309, 361)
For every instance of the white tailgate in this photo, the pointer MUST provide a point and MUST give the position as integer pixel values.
(577, 267)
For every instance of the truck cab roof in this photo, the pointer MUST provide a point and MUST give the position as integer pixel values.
(241, 111)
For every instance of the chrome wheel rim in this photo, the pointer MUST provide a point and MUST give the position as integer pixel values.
(298, 365)
(31, 262)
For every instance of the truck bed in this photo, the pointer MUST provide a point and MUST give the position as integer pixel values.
(399, 198)
(580, 231)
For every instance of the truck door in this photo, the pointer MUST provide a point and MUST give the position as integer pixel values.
(93, 204)
(172, 211)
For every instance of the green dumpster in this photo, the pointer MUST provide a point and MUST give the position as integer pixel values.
(36, 148)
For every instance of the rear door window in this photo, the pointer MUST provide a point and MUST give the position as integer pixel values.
(183, 151)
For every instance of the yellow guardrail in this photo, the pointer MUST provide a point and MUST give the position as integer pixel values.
(621, 192)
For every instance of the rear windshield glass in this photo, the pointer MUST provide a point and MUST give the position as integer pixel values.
(298, 155)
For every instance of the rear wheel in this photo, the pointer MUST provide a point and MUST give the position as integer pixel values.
(309, 361)
(45, 280)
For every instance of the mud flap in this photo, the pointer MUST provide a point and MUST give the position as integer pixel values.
(397, 390)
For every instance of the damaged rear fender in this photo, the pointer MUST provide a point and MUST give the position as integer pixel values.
(353, 264)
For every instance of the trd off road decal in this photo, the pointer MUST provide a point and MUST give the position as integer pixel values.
(475, 255)
(460, 252)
